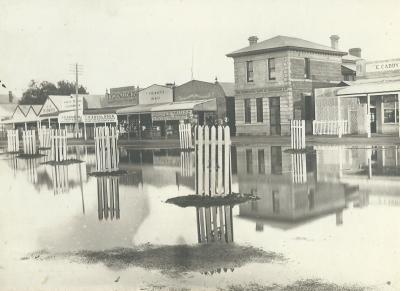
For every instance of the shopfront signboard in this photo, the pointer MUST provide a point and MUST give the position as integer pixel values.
(172, 115)
(382, 66)
(122, 96)
(100, 118)
(156, 94)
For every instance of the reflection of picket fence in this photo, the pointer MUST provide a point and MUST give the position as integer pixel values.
(108, 197)
(298, 134)
(330, 127)
(299, 168)
(185, 136)
(12, 140)
(44, 135)
(213, 160)
(59, 144)
(31, 167)
(214, 224)
(186, 164)
(106, 148)
(29, 141)
(60, 179)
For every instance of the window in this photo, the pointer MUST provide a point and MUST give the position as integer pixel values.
(271, 69)
(259, 105)
(261, 162)
(247, 111)
(249, 68)
(306, 68)
(249, 161)
(391, 113)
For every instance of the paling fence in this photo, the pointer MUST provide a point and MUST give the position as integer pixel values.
(214, 224)
(299, 168)
(12, 140)
(298, 134)
(213, 160)
(58, 145)
(44, 135)
(331, 127)
(185, 136)
(29, 141)
(187, 162)
(108, 198)
(106, 149)
(60, 179)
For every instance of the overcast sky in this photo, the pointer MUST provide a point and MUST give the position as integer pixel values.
(122, 43)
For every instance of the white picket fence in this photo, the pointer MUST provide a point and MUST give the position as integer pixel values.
(29, 142)
(331, 127)
(214, 224)
(58, 145)
(185, 136)
(106, 149)
(213, 160)
(12, 140)
(298, 134)
(44, 135)
(299, 168)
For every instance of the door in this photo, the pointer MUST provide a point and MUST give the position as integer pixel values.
(275, 115)
(372, 112)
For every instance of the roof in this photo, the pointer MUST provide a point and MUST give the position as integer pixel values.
(37, 108)
(350, 66)
(24, 108)
(6, 110)
(141, 108)
(197, 90)
(284, 42)
(58, 100)
(350, 58)
(229, 88)
(371, 88)
(93, 101)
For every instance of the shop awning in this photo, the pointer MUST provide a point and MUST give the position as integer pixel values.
(142, 108)
(375, 88)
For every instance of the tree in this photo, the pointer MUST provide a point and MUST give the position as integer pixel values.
(38, 93)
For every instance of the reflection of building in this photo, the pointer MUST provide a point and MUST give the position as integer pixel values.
(108, 198)
(289, 193)
(214, 224)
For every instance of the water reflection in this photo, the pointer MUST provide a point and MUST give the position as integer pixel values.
(108, 198)
(214, 224)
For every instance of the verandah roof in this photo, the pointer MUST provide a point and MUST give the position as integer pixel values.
(370, 88)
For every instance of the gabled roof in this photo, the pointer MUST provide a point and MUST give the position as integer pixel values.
(24, 108)
(281, 42)
(37, 108)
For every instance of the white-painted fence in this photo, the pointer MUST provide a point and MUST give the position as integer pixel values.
(29, 142)
(106, 149)
(213, 160)
(12, 140)
(214, 224)
(58, 145)
(299, 168)
(331, 127)
(44, 135)
(185, 136)
(298, 134)
(108, 198)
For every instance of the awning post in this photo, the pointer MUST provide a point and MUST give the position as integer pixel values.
(84, 130)
(368, 116)
(339, 118)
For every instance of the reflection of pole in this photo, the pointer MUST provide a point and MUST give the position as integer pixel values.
(80, 180)
(210, 224)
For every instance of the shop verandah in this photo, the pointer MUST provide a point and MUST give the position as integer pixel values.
(362, 109)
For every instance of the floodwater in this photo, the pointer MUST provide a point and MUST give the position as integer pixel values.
(331, 216)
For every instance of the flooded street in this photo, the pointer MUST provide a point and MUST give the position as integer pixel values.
(330, 215)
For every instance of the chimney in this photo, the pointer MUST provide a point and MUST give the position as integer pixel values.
(10, 97)
(356, 52)
(334, 41)
(253, 40)
(170, 85)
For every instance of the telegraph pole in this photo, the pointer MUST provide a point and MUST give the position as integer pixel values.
(76, 102)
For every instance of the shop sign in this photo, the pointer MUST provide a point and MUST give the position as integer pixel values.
(383, 66)
(172, 115)
(100, 118)
(48, 107)
(69, 117)
(123, 96)
(156, 94)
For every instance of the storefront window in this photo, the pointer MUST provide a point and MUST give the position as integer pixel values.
(390, 113)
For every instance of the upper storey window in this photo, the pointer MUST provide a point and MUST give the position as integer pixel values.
(250, 73)
(271, 69)
(307, 68)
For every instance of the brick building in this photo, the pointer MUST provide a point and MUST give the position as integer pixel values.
(275, 80)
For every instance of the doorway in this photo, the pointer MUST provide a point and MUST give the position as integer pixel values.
(275, 115)
(372, 112)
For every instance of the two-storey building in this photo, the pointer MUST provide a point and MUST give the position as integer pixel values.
(275, 80)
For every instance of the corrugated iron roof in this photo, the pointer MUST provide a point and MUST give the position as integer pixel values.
(285, 42)
(370, 88)
(229, 88)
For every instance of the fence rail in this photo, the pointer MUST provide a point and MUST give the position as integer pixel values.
(298, 134)
(29, 141)
(44, 135)
(330, 127)
(185, 136)
(58, 145)
(106, 149)
(213, 160)
(12, 140)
